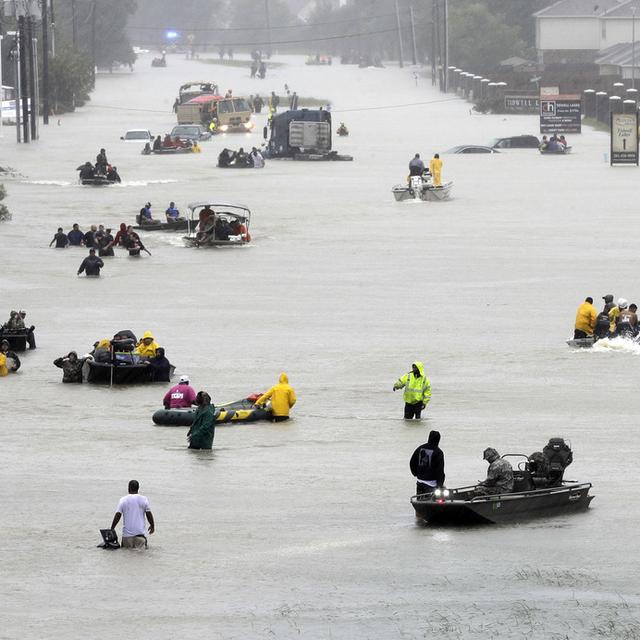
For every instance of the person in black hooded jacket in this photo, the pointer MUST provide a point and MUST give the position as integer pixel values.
(427, 465)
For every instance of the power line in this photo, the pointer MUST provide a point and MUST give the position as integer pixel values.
(278, 42)
(257, 28)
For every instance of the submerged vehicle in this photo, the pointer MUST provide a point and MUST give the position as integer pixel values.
(228, 115)
(471, 148)
(137, 135)
(243, 410)
(539, 490)
(304, 134)
(516, 142)
(195, 88)
(422, 188)
(214, 224)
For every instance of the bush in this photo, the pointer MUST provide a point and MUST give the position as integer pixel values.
(5, 214)
(71, 79)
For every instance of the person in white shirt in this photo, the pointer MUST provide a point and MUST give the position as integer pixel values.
(133, 508)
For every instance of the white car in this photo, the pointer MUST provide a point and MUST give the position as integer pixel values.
(137, 135)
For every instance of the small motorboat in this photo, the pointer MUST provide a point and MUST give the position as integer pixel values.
(421, 188)
(582, 343)
(461, 506)
(563, 151)
(539, 490)
(181, 224)
(159, 62)
(215, 224)
(239, 411)
(97, 181)
(122, 373)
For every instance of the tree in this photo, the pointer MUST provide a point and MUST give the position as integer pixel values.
(480, 39)
(5, 214)
(71, 78)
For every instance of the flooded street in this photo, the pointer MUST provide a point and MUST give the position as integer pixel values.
(304, 529)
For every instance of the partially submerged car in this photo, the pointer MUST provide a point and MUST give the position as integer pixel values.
(472, 148)
(190, 132)
(516, 142)
(137, 135)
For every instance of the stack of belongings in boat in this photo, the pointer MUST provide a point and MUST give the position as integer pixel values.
(125, 350)
(16, 333)
(544, 468)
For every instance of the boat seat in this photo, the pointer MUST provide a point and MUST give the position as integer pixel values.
(522, 481)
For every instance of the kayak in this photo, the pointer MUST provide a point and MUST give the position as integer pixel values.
(239, 411)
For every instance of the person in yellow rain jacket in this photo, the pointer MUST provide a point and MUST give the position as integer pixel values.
(435, 168)
(146, 348)
(585, 320)
(417, 391)
(282, 396)
(4, 370)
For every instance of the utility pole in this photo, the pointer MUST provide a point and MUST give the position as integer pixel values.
(400, 51)
(74, 25)
(52, 24)
(93, 38)
(633, 47)
(438, 44)
(24, 85)
(45, 61)
(433, 42)
(268, 21)
(445, 65)
(413, 35)
(33, 78)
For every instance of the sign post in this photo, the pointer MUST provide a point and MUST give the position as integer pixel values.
(560, 113)
(624, 138)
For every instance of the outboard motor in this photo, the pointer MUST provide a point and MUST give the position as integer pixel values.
(558, 456)
(415, 185)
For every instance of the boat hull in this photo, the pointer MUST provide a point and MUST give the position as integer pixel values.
(426, 193)
(105, 373)
(181, 225)
(581, 343)
(239, 411)
(96, 182)
(510, 507)
(17, 340)
(564, 152)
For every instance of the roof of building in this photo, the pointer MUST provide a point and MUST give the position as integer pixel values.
(624, 10)
(620, 55)
(578, 8)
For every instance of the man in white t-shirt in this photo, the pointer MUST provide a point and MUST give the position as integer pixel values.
(133, 508)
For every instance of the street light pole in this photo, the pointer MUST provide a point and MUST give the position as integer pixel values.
(633, 47)
(400, 51)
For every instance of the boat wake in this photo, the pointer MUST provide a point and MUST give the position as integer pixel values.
(607, 345)
(142, 183)
(54, 183)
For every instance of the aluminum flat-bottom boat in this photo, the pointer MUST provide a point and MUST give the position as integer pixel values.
(461, 507)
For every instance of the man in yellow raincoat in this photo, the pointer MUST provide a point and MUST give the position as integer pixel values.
(417, 391)
(282, 396)
(435, 168)
(585, 320)
(146, 348)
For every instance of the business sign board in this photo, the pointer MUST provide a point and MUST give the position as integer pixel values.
(521, 103)
(624, 138)
(560, 113)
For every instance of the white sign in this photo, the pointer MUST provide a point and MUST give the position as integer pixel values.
(549, 91)
(624, 138)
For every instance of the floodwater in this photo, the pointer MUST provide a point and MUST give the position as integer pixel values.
(305, 529)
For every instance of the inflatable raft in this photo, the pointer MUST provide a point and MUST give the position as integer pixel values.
(239, 411)
(97, 181)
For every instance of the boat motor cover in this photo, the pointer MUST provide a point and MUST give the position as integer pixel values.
(559, 456)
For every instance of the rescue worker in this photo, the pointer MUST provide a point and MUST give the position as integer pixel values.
(627, 322)
(427, 465)
(61, 239)
(258, 103)
(206, 214)
(203, 429)
(102, 162)
(602, 321)
(91, 265)
(213, 125)
(224, 159)
(181, 396)
(417, 391)
(145, 214)
(15, 322)
(416, 166)
(499, 475)
(147, 346)
(172, 214)
(71, 367)
(614, 313)
(435, 168)
(157, 143)
(282, 397)
(4, 370)
(586, 318)
(86, 171)
(113, 175)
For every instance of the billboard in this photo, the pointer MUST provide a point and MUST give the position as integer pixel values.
(521, 103)
(624, 138)
(561, 113)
